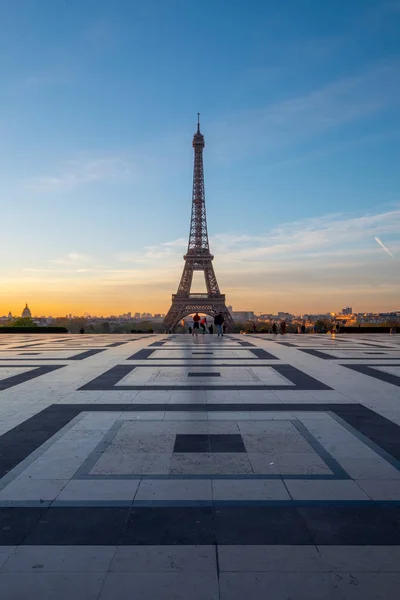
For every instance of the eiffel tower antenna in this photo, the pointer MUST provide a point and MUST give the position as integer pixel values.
(198, 256)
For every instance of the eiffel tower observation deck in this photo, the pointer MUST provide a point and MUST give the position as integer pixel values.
(198, 256)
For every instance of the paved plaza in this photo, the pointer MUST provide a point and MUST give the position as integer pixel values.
(176, 467)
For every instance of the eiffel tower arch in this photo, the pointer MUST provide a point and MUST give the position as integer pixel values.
(198, 256)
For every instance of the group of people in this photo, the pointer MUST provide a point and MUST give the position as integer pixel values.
(219, 322)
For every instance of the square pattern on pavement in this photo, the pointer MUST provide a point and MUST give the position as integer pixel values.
(168, 466)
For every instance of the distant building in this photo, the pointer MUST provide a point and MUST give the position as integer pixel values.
(347, 311)
(26, 313)
(242, 315)
(10, 315)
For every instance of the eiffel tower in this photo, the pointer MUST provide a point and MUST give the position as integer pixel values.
(198, 256)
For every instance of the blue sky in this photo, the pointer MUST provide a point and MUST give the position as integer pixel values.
(299, 104)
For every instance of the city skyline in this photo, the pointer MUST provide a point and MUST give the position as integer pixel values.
(300, 111)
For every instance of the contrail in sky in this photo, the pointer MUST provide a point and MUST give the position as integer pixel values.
(383, 246)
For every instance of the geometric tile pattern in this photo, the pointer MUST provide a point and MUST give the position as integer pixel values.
(171, 466)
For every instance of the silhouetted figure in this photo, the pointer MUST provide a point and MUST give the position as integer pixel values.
(211, 329)
(190, 329)
(303, 327)
(254, 327)
(218, 322)
(274, 328)
(203, 324)
(196, 323)
(283, 327)
(82, 331)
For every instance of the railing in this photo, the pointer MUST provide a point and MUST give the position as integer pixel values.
(198, 296)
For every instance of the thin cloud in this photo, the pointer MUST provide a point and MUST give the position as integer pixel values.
(71, 259)
(385, 248)
(263, 272)
(294, 119)
(85, 170)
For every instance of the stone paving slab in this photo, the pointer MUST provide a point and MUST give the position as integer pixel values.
(171, 466)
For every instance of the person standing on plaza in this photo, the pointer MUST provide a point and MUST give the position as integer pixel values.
(274, 328)
(283, 327)
(196, 323)
(218, 322)
(203, 324)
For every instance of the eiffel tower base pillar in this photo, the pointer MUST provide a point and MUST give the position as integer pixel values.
(187, 304)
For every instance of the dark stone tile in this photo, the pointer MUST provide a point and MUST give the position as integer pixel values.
(79, 526)
(371, 372)
(107, 381)
(22, 440)
(174, 525)
(278, 525)
(227, 443)
(5, 384)
(16, 523)
(261, 353)
(86, 354)
(192, 443)
(209, 443)
(301, 380)
(351, 525)
(141, 354)
(204, 374)
(318, 353)
(377, 428)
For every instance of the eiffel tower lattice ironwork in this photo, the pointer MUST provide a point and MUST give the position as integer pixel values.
(198, 256)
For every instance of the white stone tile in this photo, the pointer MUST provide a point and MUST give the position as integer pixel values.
(100, 490)
(51, 586)
(209, 463)
(176, 489)
(5, 553)
(249, 489)
(324, 490)
(23, 488)
(369, 468)
(288, 463)
(381, 489)
(160, 586)
(132, 464)
(164, 559)
(207, 427)
(272, 559)
(12, 371)
(60, 559)
(183, 415)
(280, 586)
(363, 559)
(368, 586)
